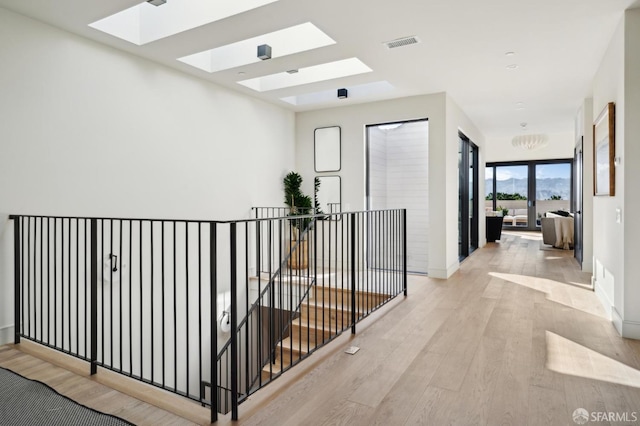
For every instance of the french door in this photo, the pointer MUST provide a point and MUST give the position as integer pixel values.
(524, 191)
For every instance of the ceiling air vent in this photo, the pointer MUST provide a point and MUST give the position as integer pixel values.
(404, 41)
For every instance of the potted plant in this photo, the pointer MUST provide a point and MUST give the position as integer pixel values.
(299, 204)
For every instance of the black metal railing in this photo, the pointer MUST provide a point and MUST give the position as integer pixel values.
(143, 297)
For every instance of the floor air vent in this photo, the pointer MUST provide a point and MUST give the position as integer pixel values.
(404, 41)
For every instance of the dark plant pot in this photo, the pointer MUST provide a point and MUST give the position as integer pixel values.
(494, 228)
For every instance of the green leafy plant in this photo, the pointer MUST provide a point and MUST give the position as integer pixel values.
(504, 210)
(298, 203)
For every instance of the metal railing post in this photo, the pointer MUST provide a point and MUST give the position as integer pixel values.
(353, 273)
(213, 246)
(16, 262)
(94, 296)
(234, 323)
(404, 250)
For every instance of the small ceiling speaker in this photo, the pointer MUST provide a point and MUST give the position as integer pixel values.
(157, 2)
(264, 51)
(342, 93)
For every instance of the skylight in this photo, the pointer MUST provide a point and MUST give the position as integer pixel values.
(312, 74)
(360, 91)
(145, 22)
(283, 42)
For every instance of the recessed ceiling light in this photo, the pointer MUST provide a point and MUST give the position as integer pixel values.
(286, 41)
(512, 66)
(241, 73)
(523, 125)
(510, 53)
(292, 71)
(361, 91)
(519, 105)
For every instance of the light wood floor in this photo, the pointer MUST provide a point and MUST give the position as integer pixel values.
(515, 337)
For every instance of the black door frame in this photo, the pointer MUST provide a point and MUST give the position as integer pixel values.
(578, 200)
(468, 238)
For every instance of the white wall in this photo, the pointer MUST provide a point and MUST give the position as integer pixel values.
(631, 174)
(608, 237)
(91, 131)
(616, 250)
(445, 118)
(560, 146)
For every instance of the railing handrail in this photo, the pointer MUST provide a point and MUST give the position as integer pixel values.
(213, 221)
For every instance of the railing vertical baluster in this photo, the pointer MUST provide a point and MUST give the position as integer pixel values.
(404, 250)
(94, 296)
(87, 283)
(186, 294)
(162, 316)
(121, 257)
(130, 297)
(234, 324)
(259, 302)
(111, 285)
(353, 273)
(213, 255)
(16, 279)
(151, 304)
(246, 304)
(78, 286)
(41, 278)
(200, 307)
(141, 304)
(175, 313)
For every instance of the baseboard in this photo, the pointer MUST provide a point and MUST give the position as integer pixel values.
(6, 334)
(443, 273)
(602, 296)
(627, 329)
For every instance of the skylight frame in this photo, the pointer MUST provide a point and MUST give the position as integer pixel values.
(307, 75)
(145, 23)
(283, 42)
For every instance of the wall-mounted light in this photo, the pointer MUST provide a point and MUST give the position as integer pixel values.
(264, 51)
(342, 93)
(156, 2)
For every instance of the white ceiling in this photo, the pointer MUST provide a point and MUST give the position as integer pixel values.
(558, 46)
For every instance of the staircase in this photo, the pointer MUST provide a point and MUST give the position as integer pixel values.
(324, 311)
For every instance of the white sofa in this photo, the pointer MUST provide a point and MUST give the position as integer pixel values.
(516, 217)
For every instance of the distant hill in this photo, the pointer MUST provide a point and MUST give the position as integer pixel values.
(545, 188)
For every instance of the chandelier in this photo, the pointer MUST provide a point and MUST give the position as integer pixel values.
(530, 142)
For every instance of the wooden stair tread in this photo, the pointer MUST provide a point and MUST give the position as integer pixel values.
(292, 343)
(333, 307)
(313, 326)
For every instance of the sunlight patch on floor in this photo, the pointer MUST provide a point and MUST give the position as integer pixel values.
(580, 298)
(567, 357)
